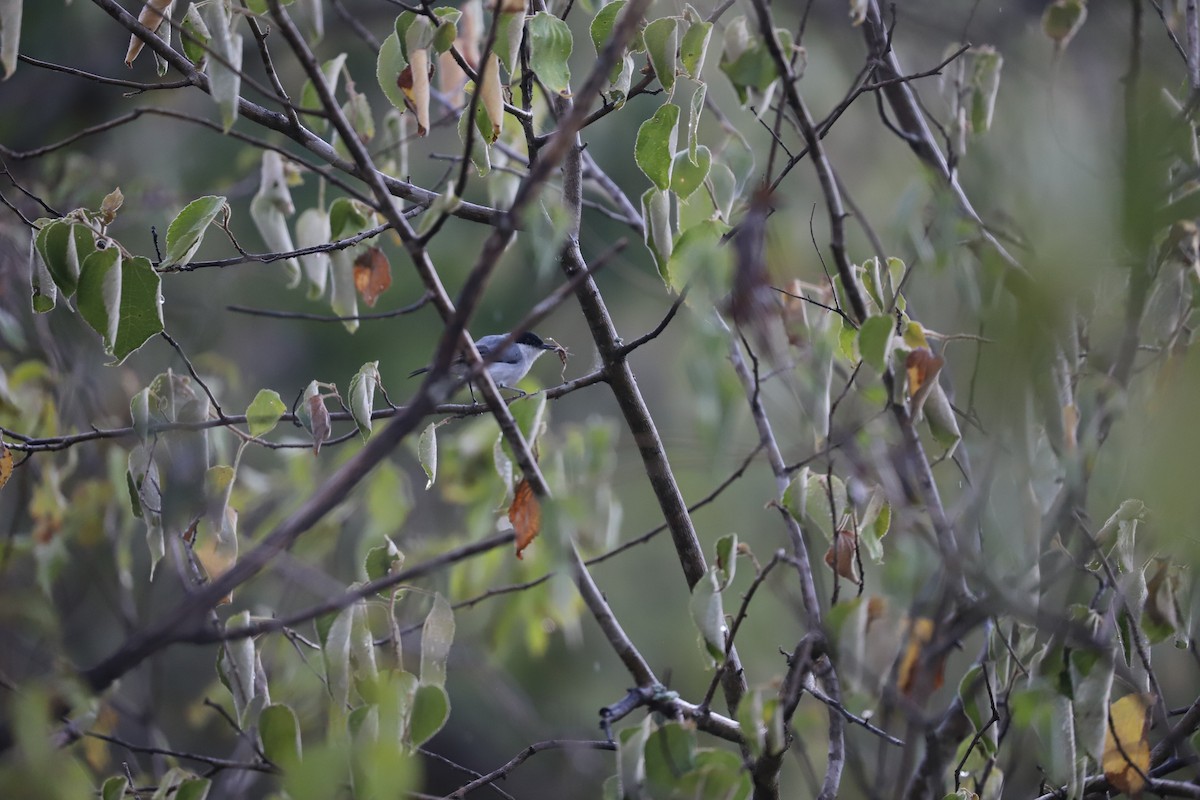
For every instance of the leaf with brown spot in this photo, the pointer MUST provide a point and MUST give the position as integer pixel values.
(922, 367)
(6, 464)
(920, 633)
(841, 556)
(1127, 755)
(372, 274)
(320, 422)
(525, 514)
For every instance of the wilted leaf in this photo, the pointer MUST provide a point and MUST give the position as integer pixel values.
(152, 15)
(842, 557)
(10, 35)
(709, 615)
(372, 274)
(271, 207)
(319, 415)
(110, 205)
(313, 230)
(1127, 756)
(525, 514)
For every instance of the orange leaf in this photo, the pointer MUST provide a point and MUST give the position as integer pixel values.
(922, 365)
(6, 464)
(1127, 757)
(372, 274)
(920, 633)
(841, 556)
(525, 514)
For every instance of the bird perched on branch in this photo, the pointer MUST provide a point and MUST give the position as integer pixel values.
(508, 365)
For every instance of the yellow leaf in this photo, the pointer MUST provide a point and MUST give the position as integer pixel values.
(152, 17)
(1127, 757)
(920, 633)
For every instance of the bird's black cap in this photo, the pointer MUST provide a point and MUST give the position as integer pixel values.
(533, 340)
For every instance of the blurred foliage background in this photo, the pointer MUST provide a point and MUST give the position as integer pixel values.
(1050, 176)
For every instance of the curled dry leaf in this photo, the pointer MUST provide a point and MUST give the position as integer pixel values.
(320, 422)
(510, 6)
(525, 514)
(841, 556)
(414, 82)
(372, 274)
(152, 17)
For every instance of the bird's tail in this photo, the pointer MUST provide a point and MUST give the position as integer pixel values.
(417, 372)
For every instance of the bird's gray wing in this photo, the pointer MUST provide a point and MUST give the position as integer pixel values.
(486, 345)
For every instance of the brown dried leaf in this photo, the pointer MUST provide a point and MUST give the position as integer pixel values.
(841, 556)
(110, 205)
(1127, 756)
(510, 6)
(372, 274)
(6, 464)
(320, 422)
(525, 514)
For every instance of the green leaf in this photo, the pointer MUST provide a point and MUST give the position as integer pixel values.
(121, 299)
(347, 217)
(336, 651)
(312, 230)
(550, 48)
(655, 147)
(447, 29)
(186, 231)
(114, 788)
(688, 176)
(264, 411)
(726, 566)
(709, 615)
(985, 85)
(662, 44)
(194, 35)
(64, 246)
(388, 66)
(694, 46)
(431, 709)
(660, 235)
(362, 395)
(381, 561)
(602, 24)
(10, 35)
(874, 336)
(693, 128)
(193, 789)
(427, 453)
(670, 752)
(235, 666)
(437, 635)
(722, 188)
(746, 61)
(43, 291)
(509, 32)
(331, 72)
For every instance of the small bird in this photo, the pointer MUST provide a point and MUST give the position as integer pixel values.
(506, 367)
